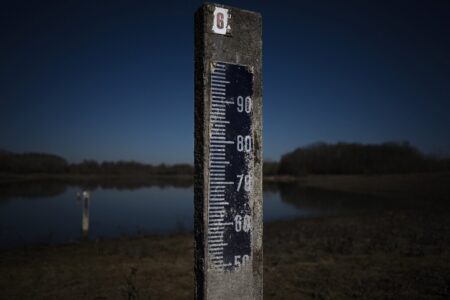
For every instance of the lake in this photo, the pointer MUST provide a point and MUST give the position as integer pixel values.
(51, 213)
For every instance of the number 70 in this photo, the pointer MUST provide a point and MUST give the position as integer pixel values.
(247, 182)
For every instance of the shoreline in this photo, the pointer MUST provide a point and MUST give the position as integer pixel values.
(395, 253)
(370, 256)
(67, 177)
(357, 183)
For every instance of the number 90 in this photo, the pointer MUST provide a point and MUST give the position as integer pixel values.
(244, 105)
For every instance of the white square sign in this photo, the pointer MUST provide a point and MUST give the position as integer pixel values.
(220, 22)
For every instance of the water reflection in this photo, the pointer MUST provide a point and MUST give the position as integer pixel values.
(52, 188)
(45, 212)
(33, 189)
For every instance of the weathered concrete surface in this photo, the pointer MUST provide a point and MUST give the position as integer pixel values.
(242, 46)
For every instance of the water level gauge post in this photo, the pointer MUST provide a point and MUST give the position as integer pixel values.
(228, 153)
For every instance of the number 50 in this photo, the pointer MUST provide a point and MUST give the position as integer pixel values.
(241, 260)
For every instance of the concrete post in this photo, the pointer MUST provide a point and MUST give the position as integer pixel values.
(228, 154)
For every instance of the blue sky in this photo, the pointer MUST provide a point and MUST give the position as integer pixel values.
(113, 80)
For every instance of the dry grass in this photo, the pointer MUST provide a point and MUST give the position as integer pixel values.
(138, 268)
(396, 255)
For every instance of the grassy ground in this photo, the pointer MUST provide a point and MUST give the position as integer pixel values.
(394, 254)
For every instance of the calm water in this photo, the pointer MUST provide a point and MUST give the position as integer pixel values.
(51, 213)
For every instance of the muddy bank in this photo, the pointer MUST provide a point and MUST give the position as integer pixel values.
(390, 255)
(419, 186)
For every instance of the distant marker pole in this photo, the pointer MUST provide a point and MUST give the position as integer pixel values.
(85, 220)
(228, 154)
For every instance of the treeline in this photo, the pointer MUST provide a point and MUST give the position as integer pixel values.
(354, 158)
(129, 167)
(319, 158)
(31, 163)
(28, 163)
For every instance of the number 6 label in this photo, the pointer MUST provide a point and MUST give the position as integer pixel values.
(220, 22)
